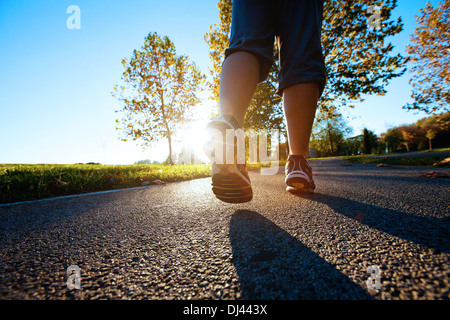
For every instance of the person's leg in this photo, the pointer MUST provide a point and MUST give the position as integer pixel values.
(247, 62)
(302, 69)
(238, 79)
(301, 82)
(239, 76)
(300, 103)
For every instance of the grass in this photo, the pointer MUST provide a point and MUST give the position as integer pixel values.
(407, 161)
(371, 157)
(438, 149)
(23, 182)
(396, 159)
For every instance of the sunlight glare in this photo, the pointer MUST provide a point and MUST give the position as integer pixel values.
(194, 139)
(194, 136)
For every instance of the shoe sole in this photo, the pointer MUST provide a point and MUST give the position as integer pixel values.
(228, 185)
(298, 185)
(294, 190)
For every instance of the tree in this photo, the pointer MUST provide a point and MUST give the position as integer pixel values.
(418, 135)
(429, 52)
(328, 136)
(218, 39)
(392, 138)
(147, 161)
(369, 142)
(408, 136)
(159, 89)
(353, 145)
(431, 134)
(357, 58)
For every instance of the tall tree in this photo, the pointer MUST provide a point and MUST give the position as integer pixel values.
(218, 39)
(358, 59)
(431, 134)
(328, 136)
(159, 88)
(408, 134)
(429, 52)
(369, 142)
(393, 139)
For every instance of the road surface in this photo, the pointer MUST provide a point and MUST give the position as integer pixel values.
(415, 154)
(389, 225)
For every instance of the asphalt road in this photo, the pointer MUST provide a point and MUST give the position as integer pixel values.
(177, 241)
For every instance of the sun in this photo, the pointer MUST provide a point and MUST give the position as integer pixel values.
(193, 139)
(194, 136)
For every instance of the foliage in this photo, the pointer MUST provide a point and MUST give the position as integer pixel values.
(328, 136)
(392, 138)
(431, 134)
(370, 142)
(419, 135)
(147, 161)
(353, 145)
(429, 52)
(357, 57)
(218, 39)
(159, 89)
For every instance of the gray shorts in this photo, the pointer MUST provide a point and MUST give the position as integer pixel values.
(296, 25)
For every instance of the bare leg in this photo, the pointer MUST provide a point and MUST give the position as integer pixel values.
(238, 80)
(300, 103)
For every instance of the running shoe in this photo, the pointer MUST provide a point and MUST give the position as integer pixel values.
(230, 180)
(299, 177)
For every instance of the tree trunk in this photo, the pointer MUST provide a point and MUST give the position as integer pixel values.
(169, 138)
(331, 142)
(429, 144)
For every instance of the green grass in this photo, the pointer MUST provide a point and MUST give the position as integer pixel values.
(23, 182)
(407, 161)
(20, 182)
(438, 149)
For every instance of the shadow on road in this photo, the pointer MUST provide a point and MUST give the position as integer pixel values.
(272, 264)
(427, 231)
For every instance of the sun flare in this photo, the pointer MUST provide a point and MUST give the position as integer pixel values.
(194, 139)
(194, 136)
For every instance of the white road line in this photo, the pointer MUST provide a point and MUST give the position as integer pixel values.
(95, 193)
(79, 195)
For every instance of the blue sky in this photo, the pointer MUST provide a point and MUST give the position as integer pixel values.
(55, 85)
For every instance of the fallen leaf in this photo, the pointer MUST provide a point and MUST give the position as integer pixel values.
(382, 165)
(443, 163)
(434, 175)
